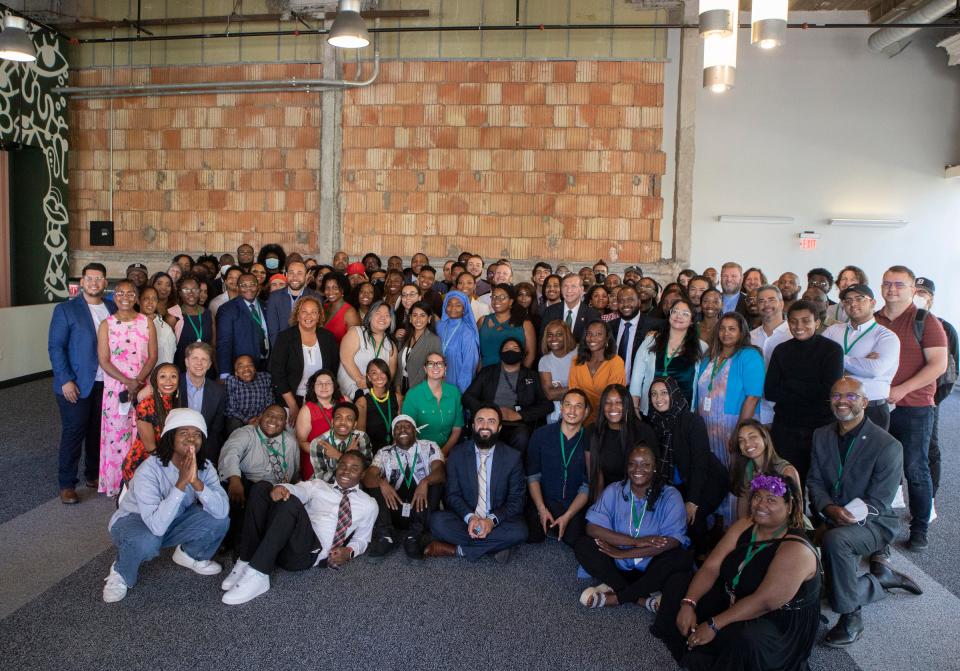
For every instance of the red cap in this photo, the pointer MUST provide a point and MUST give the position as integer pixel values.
(356, 268)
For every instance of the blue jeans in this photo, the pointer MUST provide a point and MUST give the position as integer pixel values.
(80, 427)
(195, 529)
(913, 427)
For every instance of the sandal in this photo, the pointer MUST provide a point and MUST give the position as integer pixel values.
(653, 603)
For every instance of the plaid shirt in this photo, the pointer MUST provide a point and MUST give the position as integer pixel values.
(325, 468)
(248, 399)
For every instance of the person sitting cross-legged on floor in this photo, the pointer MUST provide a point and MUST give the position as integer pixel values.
(484, 504)
(636, 535)
(855, 465)
(406, 479)
(301, 526)
(264, 452)
(174, 499)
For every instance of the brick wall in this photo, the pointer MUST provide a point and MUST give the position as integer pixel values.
(529, 160)
(199, 172)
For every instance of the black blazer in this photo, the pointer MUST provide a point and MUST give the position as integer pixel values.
(534, 406)
(507, 484)
(213, 409)
(645, 324)
(286, 360)
(705, 480)
(585, 315)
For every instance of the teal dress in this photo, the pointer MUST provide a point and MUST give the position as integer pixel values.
(492, 335)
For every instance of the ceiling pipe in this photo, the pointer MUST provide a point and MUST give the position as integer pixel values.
(910, 23)
(202, 88)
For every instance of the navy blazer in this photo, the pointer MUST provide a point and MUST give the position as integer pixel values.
(585, 315)
(72, 345)
(213, 409)
(277, 311)
(507, 485)
(237, 334)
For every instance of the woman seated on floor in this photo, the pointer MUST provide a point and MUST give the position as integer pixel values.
(636, 536)
(174, 499)
(755, 603)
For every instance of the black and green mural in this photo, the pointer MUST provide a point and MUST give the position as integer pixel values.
(33, 130)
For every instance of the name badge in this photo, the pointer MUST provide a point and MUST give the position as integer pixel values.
(707, 402)
(405, 510)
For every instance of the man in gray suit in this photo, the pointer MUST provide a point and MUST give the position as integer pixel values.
(854, 474)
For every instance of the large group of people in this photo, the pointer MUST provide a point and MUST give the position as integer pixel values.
(716, 449)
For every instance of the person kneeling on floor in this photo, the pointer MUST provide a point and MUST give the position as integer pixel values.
(174, 499)
(406, 479)
(301, 526)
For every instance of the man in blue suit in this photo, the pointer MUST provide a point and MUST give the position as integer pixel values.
(485, 490)
(280, 304)
(242, 328)
(78, 379)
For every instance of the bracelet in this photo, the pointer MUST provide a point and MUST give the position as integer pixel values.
(689, 602)
(713, 626)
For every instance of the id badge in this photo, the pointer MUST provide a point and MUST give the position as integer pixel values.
(405, 510)
(707, 402)
(516, 408)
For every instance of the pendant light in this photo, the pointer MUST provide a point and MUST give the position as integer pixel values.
(768, 23)
(348, 30)
(720, 62)
(15, 42)
(718, 18)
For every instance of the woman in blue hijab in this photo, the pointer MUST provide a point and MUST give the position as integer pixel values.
(459, 338)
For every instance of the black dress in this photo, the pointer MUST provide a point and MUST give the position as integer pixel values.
(780, 640)
(378, 414)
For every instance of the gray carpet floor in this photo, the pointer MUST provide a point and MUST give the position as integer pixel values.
(435, 615)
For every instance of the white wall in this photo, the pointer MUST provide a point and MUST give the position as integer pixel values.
(825, 128)
(23, 340)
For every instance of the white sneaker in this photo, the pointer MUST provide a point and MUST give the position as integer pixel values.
(205, 567)
(238, 570)
(933, 511)
(116, 588)
(250, 586)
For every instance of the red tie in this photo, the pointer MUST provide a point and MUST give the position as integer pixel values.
(344, 519)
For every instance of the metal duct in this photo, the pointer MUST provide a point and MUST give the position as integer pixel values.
(924, 14)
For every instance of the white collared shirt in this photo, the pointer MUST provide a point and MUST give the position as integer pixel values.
(575, 310)
(628, 362)
(322, 502)
(767, 343)
(875, 374)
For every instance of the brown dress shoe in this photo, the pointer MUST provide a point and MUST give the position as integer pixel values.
(69, 496)
(440, 549)
(93, 484)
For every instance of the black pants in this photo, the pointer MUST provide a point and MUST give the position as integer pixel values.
(631, 586)
(277, 533)
(934, 454)
(793, 443)
(516, 435)
(232, 424)
(573, 532)
(237, 516)
(879, 415)
(389, 522)
(80, 428)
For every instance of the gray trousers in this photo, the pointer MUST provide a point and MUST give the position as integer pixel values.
(842, 549)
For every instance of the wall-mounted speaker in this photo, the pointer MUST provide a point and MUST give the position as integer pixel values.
(101, 233)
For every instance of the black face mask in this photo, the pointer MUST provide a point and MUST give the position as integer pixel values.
(484, 443)
(511, 357)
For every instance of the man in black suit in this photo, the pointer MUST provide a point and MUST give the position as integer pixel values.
(731, 282)
(206, 397)
(854, 474)
(242, 327)
(281, 303)
(485, 490)
(571, 310)
(631, 328)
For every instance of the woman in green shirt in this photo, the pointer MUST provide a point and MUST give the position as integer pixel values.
(435, 405)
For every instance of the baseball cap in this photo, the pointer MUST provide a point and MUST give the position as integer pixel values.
(926, 284)
(861, 289)
(136, 266)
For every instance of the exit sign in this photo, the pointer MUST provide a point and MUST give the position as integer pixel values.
(808, 243)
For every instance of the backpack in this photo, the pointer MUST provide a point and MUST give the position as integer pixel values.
(946, 381)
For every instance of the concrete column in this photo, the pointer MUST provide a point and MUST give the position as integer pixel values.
(330, 232)
(688, 87)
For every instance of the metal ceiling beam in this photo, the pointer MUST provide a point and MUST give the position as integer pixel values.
(235, 18)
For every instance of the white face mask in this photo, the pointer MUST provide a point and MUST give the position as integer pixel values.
(860, 510)
(920, 302)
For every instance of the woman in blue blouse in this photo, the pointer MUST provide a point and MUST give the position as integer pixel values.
(507, 321)
(636, 536)
(729, 384)
(174, 499)
(459, 339)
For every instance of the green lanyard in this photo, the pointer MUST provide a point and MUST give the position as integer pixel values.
(197, 328)
(750, 469)
(718, 365)
(388, 423)
(404, 473)
(636, 519)
(846, 455)
(668, 358)
(255, 315)
(752, 552)
(846, 332)
(564, 459)
(376, 352)
(282, 456)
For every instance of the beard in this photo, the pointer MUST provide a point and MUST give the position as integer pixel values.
(486, 442)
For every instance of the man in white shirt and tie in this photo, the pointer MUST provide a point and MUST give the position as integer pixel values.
(772, 331)
(631, 328)
(871, 352)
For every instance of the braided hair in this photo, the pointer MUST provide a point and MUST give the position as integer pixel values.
(656, 485)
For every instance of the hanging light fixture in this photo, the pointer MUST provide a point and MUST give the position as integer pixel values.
(348, 30)
(15, 42)
(768, 23)
(720, 62)
(718, 18)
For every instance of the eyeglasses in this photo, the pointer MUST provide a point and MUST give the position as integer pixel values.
(899, 286)
(854, 299)
(499, 297)
(248, 285)
(680, 313)
(409, 294)
(435, 364)
(188, 290)
(819, 283)
(126, 294)
(849, 396)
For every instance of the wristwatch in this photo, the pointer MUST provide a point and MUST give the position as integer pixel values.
(713, 626)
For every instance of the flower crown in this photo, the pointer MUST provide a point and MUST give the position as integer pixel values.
(769, 483)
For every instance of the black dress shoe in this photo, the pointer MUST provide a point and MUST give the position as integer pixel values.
(890, 579)
(918, 541)
(411, 546)
(379, 549)
(847, 630)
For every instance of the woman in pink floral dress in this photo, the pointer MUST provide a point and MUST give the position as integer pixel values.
(127, 350)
